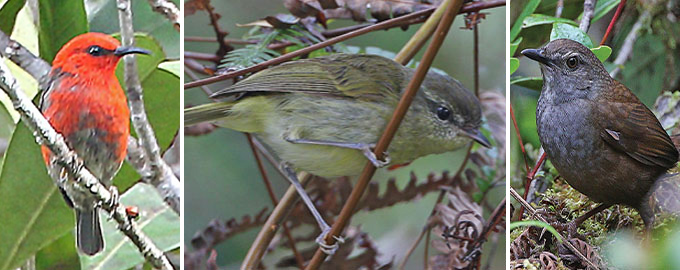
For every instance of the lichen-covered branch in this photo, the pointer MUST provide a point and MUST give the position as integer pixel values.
(167, 9)
(158, 173)
(83, 179)
(588, 13)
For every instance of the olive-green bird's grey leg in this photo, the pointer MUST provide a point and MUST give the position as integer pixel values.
(366, 149)
(325, 229)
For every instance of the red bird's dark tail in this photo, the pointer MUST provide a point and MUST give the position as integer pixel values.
(89, 232)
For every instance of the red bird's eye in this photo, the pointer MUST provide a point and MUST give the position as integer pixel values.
(95, 50)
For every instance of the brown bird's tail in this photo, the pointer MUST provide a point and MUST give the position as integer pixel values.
(89, 232)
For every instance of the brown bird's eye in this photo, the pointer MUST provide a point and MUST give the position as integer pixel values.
(443, 113)
(572, 61)
(95, 50)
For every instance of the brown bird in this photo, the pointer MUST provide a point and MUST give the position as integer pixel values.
(601, 139)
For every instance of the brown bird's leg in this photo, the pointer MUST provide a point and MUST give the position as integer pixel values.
(573, 225)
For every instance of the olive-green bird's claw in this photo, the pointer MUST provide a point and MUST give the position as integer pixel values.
(329, 249)
(368, 152)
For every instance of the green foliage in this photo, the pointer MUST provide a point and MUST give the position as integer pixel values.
(157, 221)
(536, 223)
(644, 73)
(55, 28)
(253, 54)
(563, 30)
(8, 13)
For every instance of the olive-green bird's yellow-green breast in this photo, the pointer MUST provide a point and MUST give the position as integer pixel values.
(344, 98)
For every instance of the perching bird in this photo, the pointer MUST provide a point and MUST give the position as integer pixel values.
(323, 115)
(599, 136)
(86, 105)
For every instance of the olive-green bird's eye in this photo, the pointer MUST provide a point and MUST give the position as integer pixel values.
(443, 113)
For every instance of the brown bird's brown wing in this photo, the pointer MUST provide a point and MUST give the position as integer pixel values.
(632, 128)
(343, 75)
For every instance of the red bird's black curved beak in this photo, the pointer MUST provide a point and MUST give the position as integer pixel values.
(125, 50)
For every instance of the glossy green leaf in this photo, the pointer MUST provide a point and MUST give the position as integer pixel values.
(601, 8)
(171, 66)
(8, 13)
(156, 220)
(562, 30)
(602, 52)
(32, 210)
(528, 10)
(644, 73)
(161, 101)
(514, 45)
(534, 83)
(55, 28)
(514, 64)
(101, 13)
(539, 19)
(536, 223)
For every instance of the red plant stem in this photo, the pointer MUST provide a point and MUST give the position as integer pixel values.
(618, 12)
(519, 138)
(531, 174)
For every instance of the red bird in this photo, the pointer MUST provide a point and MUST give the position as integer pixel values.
(85, 103)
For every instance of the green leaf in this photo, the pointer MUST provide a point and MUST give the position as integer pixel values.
(536, 223)
(601, 8)
(514, 45)
(32, 211)
(55, 28)
(103, 17)
(645, 71)
(539, 19)
(161, 96)
(156, 220)
(528, 9)
(602, 52)
(534, 83)
(171, 66)
(514, 64)
(562, 30)
(8, 13)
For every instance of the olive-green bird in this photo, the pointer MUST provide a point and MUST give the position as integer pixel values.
(323, 115)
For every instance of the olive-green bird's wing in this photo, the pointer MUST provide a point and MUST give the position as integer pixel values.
(636, 131)
(342, 75)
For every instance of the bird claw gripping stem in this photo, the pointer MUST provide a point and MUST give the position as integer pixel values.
(367, 150)
(325, 248)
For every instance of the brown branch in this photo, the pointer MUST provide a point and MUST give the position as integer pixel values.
(390, 130)
(359, 30)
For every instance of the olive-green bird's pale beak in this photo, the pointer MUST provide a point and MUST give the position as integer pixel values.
(478, 137)
(125, 50)
(536, 55)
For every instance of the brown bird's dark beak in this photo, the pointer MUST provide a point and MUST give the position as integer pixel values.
(125, 50)
(477, 135)
(536, 55)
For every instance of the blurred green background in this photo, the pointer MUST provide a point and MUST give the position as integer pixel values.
(222, 178)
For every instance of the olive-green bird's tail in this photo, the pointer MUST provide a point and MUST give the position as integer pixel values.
(210, 112)
(243, 115)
